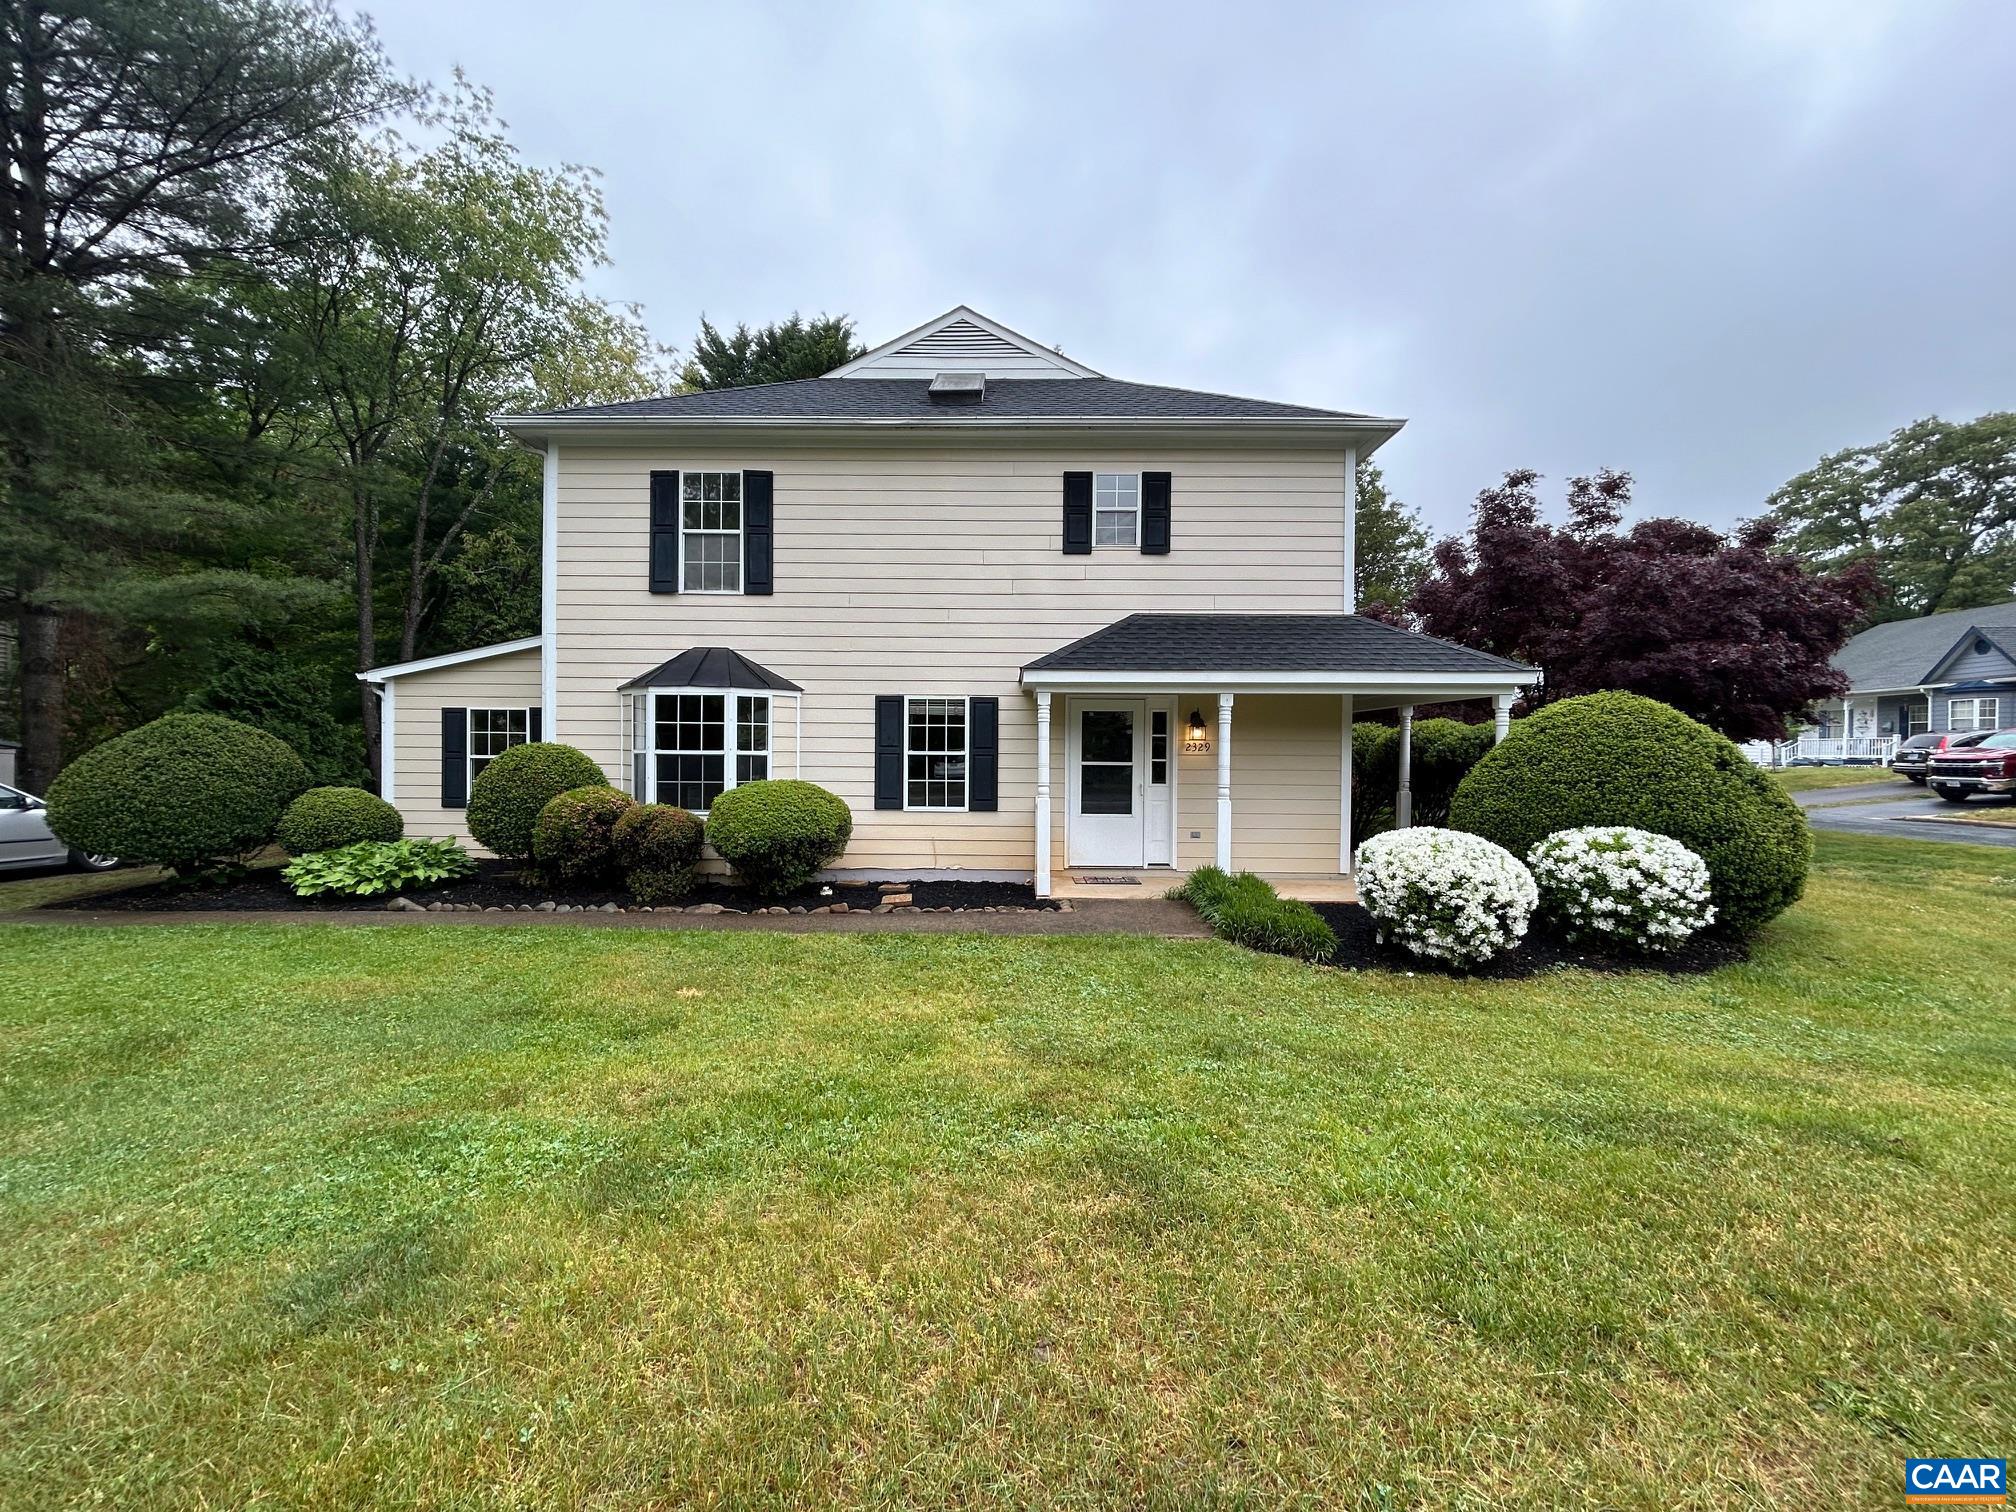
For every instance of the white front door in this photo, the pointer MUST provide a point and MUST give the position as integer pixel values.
(1108, 783)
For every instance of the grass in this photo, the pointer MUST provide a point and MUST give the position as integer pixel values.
(1994, 811)
(36, 888)
(323, 1215)
(1808, 779)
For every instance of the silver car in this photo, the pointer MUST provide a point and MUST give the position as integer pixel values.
(27, 840)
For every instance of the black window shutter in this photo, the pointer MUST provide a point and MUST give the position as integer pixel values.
(1154, 514)
(983, 744)
(1077, 514)
(535, 725)
(454, 758)
(889, 751)
(665, 532)
(756, 531)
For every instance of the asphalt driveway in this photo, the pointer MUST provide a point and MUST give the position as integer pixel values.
(1876, 810)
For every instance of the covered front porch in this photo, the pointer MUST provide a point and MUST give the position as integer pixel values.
(1169, 742)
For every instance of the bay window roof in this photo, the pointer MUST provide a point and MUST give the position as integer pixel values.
(711, 667)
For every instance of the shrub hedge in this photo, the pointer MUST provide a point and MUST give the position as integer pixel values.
(1444, 752)
(186, 791)
(778, 834)
(574, 839)
(1246, 910)
(657, 846)
(1623, 759)
(508, 794)
(326, 818)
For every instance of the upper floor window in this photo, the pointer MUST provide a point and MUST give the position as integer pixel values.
(1116, 509)
(492, 732)
(710, 551)
(934, 754)
(1972, 714)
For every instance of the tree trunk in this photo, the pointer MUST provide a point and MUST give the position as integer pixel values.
(42, 693)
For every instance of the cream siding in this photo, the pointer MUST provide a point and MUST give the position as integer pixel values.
(935, 567)
(510, 681)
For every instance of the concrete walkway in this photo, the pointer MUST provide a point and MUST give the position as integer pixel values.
(1137, 916)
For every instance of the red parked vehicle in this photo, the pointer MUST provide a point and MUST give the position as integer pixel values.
(1987, 766)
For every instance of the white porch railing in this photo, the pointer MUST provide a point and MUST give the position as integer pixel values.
(1822, 748)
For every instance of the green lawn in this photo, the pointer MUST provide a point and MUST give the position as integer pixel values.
(552, 1216)
(1806, 779)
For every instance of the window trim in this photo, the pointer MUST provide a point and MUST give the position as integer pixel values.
(740, 533)
(1134, 512)
(965, 703)
(469, 757)
(1992, 700)
(645, 751)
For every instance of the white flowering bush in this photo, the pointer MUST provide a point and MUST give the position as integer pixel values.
(1445, 894)
(1627, 886)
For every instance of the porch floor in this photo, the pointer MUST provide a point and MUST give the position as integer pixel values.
(1091, 883)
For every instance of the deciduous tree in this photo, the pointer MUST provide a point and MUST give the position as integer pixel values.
(1733, 630)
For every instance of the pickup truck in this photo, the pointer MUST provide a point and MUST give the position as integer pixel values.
(1987, 766)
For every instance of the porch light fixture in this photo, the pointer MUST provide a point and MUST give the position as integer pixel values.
(1195, 732)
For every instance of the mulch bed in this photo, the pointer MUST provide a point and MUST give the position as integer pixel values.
(496, 884)
(1358, 949)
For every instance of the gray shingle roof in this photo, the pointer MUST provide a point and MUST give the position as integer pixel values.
(1264, 643)
(1905, 653)
(711, 667)
(909, 399)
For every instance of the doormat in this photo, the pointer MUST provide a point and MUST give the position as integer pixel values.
(1107, 881)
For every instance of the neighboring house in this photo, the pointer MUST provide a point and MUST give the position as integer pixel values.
(7, 750)
(1937, 673)
(1019, 615)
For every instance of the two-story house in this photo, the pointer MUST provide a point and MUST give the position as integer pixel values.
(1023, 617)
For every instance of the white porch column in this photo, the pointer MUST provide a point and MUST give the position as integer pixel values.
(1042, 792)
(1403, 794)
(1344, 797)
(1225, 782)
(388, 738)
(1501, 717)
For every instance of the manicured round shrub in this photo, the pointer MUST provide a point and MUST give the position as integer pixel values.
(1444, 752)
(657, 846)
(184, 791)
(1621, 885)
(778, 834)
(574, 839)
(328, 818)
(1445, 894)
(1622, 759)
(505, 800)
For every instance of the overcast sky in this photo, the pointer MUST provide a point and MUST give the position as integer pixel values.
(1702, 242)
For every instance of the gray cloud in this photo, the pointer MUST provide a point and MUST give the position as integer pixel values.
(1705, 242)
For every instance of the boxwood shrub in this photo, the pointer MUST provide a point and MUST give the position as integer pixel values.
(1246, 910)
(657, 846)
(184, 792)
(508, 794)
(574, 839)
(326, 818)
(1623, 759)
(778, 834)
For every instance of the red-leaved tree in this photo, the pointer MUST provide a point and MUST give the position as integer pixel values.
(1726, 628)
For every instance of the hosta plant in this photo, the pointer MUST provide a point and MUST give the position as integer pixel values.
(371, 868)
(1622, 885)
(1444, 894)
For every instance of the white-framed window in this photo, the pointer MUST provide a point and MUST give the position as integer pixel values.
(1918, 717)
(689, 746)
(1116, 509)
(934, 754)
(710, 532)
(1973, 713)
(492, 732)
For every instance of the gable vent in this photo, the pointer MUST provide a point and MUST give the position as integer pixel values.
(964, 341)
(958, 388)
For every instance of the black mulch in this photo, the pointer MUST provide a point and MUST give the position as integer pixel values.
(496, 884)
(1358, 948)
